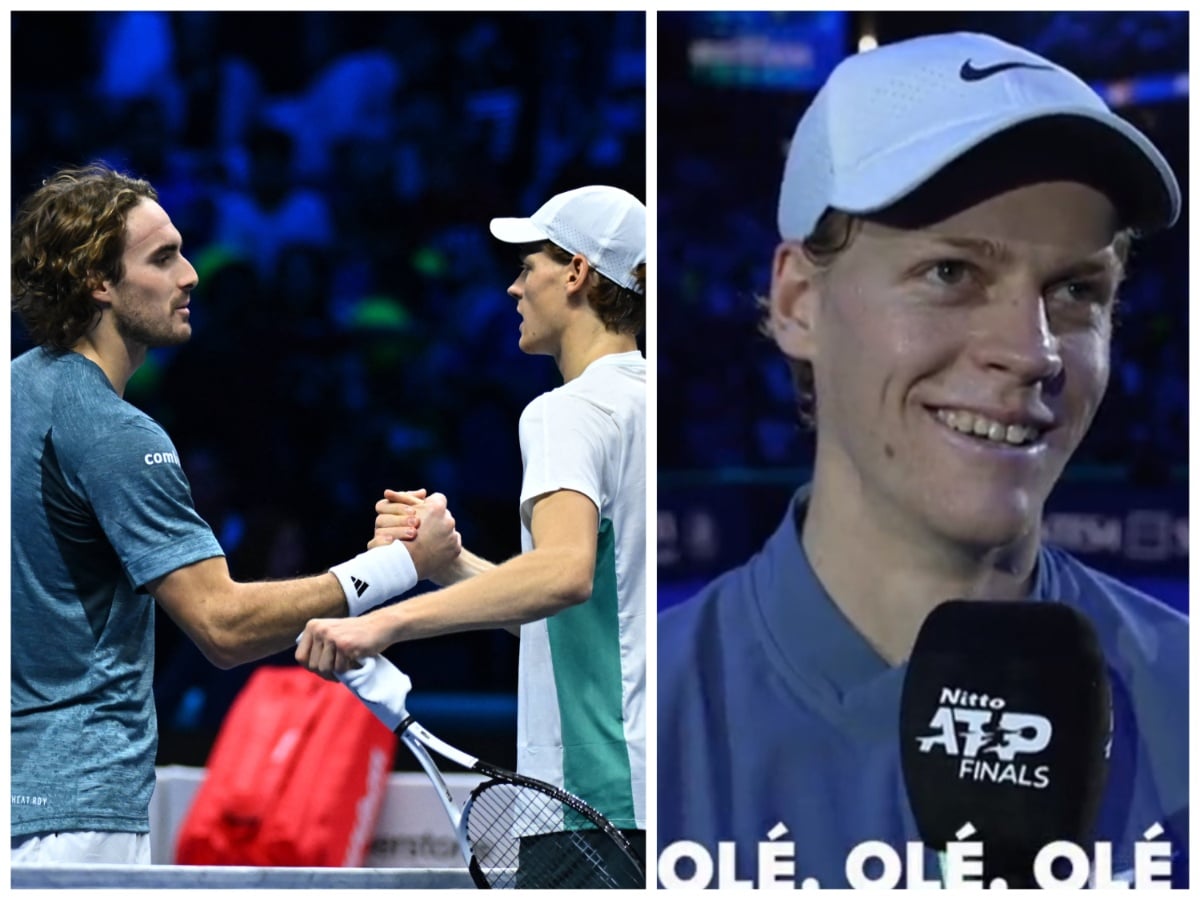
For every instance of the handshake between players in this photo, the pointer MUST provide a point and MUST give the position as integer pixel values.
(416, 524)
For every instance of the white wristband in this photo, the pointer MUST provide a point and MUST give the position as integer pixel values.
(381, 687)
(376, 576)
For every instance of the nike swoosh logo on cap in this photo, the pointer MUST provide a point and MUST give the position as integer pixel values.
(969, 73)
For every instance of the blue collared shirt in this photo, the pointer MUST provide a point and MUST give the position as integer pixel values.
(773, 708)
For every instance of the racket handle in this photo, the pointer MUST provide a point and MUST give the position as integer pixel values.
(381, 687)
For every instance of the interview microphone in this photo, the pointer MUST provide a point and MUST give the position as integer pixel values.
(1005, 724)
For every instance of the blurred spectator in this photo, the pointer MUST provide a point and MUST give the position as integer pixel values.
(266, 209)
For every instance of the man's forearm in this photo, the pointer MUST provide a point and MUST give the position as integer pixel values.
(466, 565)
(233, 622)
(265, 617)
(526, 588)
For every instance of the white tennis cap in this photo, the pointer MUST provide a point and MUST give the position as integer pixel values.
(889, 119)
(604, 224)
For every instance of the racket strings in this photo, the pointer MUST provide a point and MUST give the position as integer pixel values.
(523, 837)
(502, 814)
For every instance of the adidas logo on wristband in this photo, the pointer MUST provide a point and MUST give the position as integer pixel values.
(376, 576)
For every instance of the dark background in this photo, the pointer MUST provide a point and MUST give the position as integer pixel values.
(731, 87)
(333, 176)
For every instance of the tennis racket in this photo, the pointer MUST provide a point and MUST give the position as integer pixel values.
(513, 831)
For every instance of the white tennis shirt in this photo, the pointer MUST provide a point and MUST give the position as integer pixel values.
(582, 678)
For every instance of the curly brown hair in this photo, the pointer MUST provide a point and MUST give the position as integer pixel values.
(622, 310)
(67, 240)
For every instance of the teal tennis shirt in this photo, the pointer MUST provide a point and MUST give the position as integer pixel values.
(100, 507)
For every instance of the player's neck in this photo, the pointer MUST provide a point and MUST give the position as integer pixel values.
(117, 357)
(582, 346)
(886, 575)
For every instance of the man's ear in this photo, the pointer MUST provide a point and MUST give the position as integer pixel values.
(102, 291)
(793, 307)
(578, 270)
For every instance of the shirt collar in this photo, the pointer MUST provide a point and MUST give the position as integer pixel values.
(814, 647)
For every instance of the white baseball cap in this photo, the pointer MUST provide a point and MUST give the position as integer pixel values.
(604, 224)
(889, 119)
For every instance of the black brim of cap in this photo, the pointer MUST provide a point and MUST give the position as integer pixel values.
(1050, 148)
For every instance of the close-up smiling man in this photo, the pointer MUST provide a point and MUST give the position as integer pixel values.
(955, 218)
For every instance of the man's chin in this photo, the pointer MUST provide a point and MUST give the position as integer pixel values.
(993, 529)
(531, 347)
(175, 338)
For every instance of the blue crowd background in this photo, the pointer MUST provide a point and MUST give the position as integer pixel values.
(731, 87)
(332, 175)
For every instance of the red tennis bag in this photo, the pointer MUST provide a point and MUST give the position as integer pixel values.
(296, 777)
